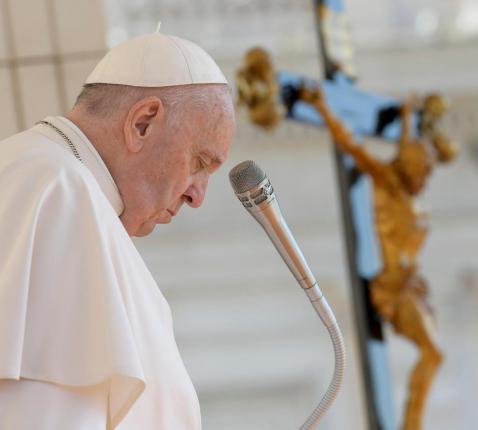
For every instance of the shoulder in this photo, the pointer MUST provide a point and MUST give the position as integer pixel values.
(38, 176)
(31, 148)
(32, 159)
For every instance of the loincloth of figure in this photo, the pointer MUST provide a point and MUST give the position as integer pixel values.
(392, 293)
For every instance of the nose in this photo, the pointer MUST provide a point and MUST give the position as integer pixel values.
(196, 192)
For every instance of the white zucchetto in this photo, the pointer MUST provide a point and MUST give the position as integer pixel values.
(157, 60)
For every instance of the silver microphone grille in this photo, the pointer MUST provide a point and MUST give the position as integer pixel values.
(245, 176)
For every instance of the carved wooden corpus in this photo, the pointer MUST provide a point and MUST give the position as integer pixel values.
(399, 293)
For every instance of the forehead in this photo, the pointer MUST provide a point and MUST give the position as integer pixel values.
(214, 140)
(211, 125)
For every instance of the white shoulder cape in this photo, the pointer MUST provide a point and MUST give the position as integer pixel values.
(67, 273)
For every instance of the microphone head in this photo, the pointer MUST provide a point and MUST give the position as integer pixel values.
(251, 185)
(245, 176)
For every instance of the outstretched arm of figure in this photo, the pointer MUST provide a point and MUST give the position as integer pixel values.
(405, 123)
(342, 136)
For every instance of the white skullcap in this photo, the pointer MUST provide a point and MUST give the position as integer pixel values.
(156, 60)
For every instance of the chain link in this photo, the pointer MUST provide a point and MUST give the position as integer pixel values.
(65, 138)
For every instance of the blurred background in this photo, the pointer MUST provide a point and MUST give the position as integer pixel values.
(256, 352)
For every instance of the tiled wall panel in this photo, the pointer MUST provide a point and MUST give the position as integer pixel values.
(29, 22)
(47, 49)
(8, 120)
(83, 33)
(3, 34)
(38, 100)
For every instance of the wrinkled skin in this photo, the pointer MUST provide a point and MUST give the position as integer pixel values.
(159, 167)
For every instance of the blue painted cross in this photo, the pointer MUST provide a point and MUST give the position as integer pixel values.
(365, 114)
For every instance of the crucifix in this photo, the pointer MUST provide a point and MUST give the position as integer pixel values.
(383, 231)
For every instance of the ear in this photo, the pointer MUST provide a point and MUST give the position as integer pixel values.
(142, 117)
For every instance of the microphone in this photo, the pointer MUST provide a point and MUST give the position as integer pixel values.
(254, 190)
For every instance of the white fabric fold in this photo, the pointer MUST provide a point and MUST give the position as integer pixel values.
(78, 307)
(29, 404)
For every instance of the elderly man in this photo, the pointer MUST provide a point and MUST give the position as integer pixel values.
(86, 338)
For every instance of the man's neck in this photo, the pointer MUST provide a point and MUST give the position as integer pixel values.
(102, 136)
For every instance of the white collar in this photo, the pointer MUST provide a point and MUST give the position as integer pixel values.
(90, 157)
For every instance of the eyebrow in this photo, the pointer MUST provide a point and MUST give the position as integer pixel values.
(214, 157)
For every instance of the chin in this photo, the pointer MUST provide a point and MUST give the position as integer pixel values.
(163, 221)
(144, 229)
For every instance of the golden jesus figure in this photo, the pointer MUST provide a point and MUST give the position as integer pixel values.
(399, 292)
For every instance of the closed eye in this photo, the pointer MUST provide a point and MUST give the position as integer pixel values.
(209, 162)
(199, 164)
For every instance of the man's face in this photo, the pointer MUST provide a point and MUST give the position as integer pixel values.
(176, 168)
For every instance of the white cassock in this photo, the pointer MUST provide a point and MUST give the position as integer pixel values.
(86, 337)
